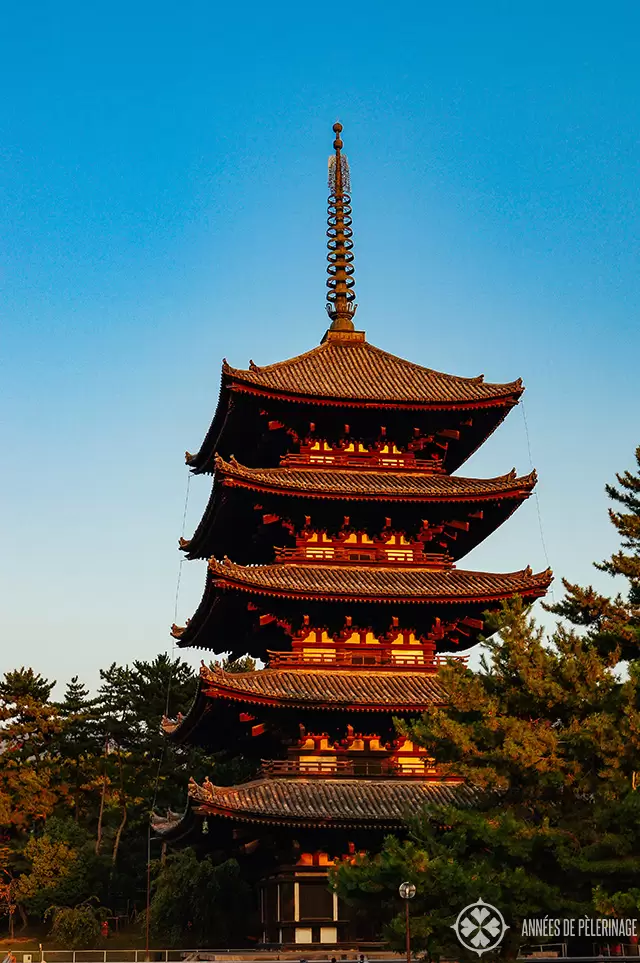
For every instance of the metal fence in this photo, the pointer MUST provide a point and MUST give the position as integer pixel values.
(107, 956)
(311, 954)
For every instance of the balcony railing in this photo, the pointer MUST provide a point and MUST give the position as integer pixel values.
(382, 659)
(363, 460)
(347, 768)
(372, 555)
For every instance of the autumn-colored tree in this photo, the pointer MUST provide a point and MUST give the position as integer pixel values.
(31, 781)
(60, 868)
(8, 906)
(29, 775)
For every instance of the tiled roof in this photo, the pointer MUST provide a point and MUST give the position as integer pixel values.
(326, 801)
(165, 824)
(369, 484)
(380, 583)
(356, 370)
(324, 688)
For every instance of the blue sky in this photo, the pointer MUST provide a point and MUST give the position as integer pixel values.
(163, 180)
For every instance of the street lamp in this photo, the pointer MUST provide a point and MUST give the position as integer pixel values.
(407, 891)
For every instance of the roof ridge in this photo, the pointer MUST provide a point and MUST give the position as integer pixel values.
(328, 347)
(233, 465)
(276, 365)
(318, 469)
(206, 788)
(450, 573)
(478, 379)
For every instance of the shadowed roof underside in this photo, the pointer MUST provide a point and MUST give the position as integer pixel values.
(318, 688)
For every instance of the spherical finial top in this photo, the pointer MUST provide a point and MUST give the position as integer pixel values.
(337, 128)
(337, 144)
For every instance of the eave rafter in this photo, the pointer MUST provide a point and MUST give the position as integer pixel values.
(507, 400)
(455, 597)
(449, 504)
(370, 691)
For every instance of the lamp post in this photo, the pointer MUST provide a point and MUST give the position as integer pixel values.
(407, 891)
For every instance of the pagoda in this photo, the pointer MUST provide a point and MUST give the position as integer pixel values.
(333, 535)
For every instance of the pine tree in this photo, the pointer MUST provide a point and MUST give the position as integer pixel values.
(244, 664)
(79, 744)
(613, 624)
(23, 686)
(627, 524)
(139, 770)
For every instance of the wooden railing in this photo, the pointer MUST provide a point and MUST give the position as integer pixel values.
(363, 460)
(338, 768)
(375, 555)
(382, 659)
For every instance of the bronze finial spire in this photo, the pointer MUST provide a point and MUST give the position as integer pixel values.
(341, 305)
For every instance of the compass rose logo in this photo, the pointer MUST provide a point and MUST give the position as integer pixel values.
(480, 927)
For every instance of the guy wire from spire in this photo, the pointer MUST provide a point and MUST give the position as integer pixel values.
(341, 305)
(164, 741)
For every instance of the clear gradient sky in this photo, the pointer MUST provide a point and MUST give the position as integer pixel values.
(163, 180)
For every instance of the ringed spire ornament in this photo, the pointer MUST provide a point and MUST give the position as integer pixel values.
(341, 305)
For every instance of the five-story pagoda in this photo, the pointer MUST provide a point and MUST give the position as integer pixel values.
(332, 534)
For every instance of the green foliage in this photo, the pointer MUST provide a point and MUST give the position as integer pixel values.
(546, 721)
(79, 745)
(77, 927)
(627, 523)
(613, 625)
(24, 686)
(244, 664)
(199, 902)
(138, 770)
(60, 868)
